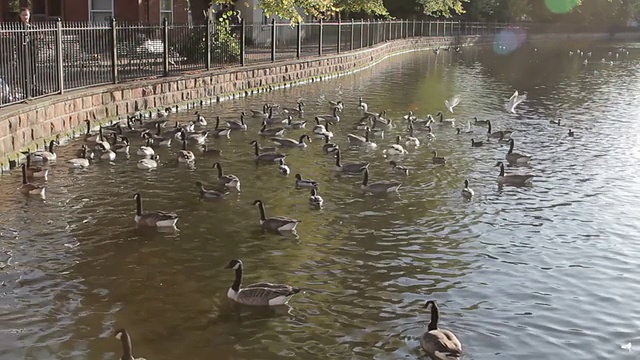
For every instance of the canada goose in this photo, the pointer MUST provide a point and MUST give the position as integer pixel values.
(379, 187)
(305, 183)
(148, 163)
(200, 120)
(513, 179)
(399, 168)
(328, 147)
(164, 112)
(45, 156)
(259, 294)
(263, 149)
(184, 155)
(480, 122)
(286, 142)
(102, 141)
(146, 150)
(229, 180)
(267, 157)
(446, 122)
(272, 119)
(35, 171)
(218, 131)
(555, 122)
(410, 117)
(124, 337)
(157, 219)
(296, 110)
(439, 344)
(571, 133)
(107, 154)
(411, 140)
(362, 105)
(261, 113)
(93, 138)
(396, 149)
(336, 105)
(351, 168)
(450, 104)
(82, 161)
(270, 132)
(362, 141)
(277, 223)
(382, 120)
(321, 130)
(333, 118)
(210, 152)
(208, 194)
(122, 147)
(315, 200)
(476, 143)
(514, 157)
(514, 100)
(283, 168)
(155, 123)
(498, 134)
(28, 188)
(438, 159)
(160, 139)
(467, 192)
(430, 135)
(238, 124)
(196, 138)
(295, 124)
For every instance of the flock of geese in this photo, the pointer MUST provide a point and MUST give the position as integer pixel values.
(112, 141)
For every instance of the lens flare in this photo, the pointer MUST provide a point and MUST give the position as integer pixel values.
(508, 40)
(561, 6)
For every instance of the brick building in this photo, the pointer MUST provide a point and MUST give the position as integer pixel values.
(146, 11)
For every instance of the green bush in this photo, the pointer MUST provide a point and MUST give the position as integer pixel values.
(225, 44)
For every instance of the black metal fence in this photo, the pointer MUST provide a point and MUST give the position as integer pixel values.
(51, 57)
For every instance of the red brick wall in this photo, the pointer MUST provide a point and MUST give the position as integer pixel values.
(180, 11)
(76, 10)
(127, 10)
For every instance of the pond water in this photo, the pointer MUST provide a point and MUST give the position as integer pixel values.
(548, 270)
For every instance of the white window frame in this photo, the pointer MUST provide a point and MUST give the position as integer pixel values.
(162, 12)
(91, 11)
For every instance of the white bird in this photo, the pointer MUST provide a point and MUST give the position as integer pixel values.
(514, 100)
(450, 104)
(467, 192)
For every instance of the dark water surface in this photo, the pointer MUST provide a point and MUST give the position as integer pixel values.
(547, 271)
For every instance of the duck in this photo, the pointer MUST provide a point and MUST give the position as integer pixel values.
(305, 183)
(365, 141)
(123, 336)
(278, 131)
(210, 152)
(439, 344)
(329, 147)
(266, 157)
(107, 154)
(350, 168)
(80, 162)
(261, 113)
(229, 180)
(220, 132)
(199, 120)
(320, 130)
(184, 155)
(498, 134)
(208, 194)
(28, 188)
(278, 223)
(333, 118)
(476, 143)
(450, 104)
(396, 149)
(238, 124)
(315, 200)
(467, 192)
(43, 156)
(263, 149)
(35, 171)
(153, 219)
(438, 159)
(555, 122)
(148, 163)
(571, 133)
(146, 150)
(286, 142)
(379, 187)
(295, 124)
(411, 140)
(480, 122)
(446, 122)
(283, 168)
(514, 157)
(513, 179)
(259, 294)
(399, 168)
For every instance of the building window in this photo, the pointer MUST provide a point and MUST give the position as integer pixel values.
(100, 10)
(166, 10)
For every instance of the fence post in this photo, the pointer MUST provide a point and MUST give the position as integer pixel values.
(114, 51)
(320, 39)
(353, 28)
(339, 34)
(298, 40)
(243, 42)
(209, 31)
(59, 59)
(421, 28)
(273, 39)
(413, 33)
(361, 33)
(165, 53)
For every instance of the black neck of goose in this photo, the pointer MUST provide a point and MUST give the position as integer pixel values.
(217, 122)
(238, 281)
(338, 158)
(84, 152)
(441, 117)
(184, 145)
(24, 174)
(270, 112)
(301, 141)
(126, 345)
(366, 135)
(365, 179)
(219, 170)
(335, 111)
(28, 160)
(138, 205)
(263, 216)
(242, 118)
(264, 127)
(435, 315)
(489, 127)
(115, 139)
(326, 139)
(326, 125)
(100, 137)
(411, 129)
(398, 140)
(88, 128)
(51, 146)
(257, 149)
(501, 169)
(511, 144)
(149, 142)
(158, 130)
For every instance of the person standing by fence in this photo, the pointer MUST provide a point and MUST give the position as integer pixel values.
(27, 55)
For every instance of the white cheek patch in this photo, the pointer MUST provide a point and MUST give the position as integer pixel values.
(119, 336)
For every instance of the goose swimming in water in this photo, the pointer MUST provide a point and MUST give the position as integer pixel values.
(124, 337)
(467, 192)
(276, 223)
(513, 179)
(28, 188)
(315, 200)
(259, 294)
(439, 344)
(230, 181)
(378, 187)
(153, 219)
(514, 157)
(350, 168)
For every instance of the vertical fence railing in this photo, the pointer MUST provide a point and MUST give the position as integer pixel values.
(53, 57)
